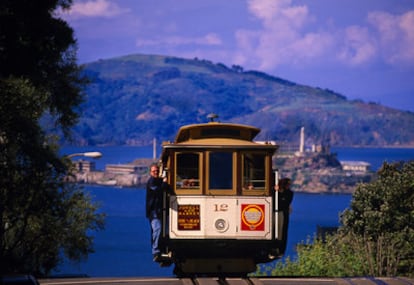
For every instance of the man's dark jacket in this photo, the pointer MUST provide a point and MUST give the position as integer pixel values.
(155, 188)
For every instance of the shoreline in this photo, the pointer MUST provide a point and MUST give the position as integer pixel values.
(318, 173)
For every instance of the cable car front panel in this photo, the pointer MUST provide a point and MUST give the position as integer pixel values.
(203, 217)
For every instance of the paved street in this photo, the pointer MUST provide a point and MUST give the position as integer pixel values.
(229, 281)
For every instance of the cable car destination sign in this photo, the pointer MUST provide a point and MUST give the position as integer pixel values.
(188, 217)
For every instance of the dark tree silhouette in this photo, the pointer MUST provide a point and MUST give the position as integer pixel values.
(41, 216)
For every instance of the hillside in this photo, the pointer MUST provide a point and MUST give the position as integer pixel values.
(136, 98)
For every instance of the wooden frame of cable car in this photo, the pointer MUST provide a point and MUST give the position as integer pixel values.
(205, 141)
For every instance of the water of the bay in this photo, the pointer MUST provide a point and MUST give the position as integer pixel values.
(123, 248)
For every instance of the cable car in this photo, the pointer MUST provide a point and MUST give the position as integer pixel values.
(220, 217)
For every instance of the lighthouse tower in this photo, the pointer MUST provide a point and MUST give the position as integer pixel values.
(302, 140)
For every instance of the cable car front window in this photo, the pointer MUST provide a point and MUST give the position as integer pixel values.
(221, 170)
(254, 175)
(187, 174)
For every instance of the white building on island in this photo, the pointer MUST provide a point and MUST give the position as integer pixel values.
(355, 166)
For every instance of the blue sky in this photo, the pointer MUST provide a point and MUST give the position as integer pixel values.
(363, 49)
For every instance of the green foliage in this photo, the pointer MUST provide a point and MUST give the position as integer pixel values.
(41, 216)
(320, 258)
(376, 238)
(382, 216)
(35, 45)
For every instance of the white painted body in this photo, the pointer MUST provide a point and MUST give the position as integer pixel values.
(205, 217)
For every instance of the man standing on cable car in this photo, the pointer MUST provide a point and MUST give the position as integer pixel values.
(153, 207)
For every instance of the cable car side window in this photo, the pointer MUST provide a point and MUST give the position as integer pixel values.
(187, 175)
(254, 171)
(220, 166)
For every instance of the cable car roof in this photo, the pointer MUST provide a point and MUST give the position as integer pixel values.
(216, 130)
(215, 135)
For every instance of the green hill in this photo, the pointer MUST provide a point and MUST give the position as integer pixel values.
(136, 98)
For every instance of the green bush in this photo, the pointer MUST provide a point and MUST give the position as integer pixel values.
(318, 258)
(376, 237)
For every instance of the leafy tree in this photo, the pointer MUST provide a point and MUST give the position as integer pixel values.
(381, 220)
(376, 237)
(42, 218)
